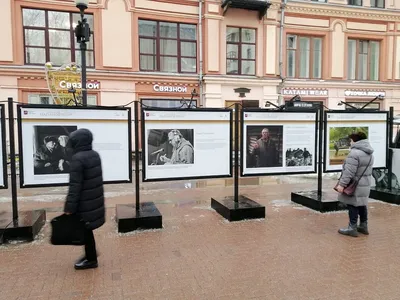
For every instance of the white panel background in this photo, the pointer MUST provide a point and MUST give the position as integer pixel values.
(210, 160)
(110, 139)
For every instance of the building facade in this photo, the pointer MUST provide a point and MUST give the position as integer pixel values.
(159, 52)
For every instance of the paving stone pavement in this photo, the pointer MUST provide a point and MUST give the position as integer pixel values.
(294, 253)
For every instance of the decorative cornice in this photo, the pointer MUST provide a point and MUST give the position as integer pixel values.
(342, 12)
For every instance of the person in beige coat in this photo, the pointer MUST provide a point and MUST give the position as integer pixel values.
(357, 166)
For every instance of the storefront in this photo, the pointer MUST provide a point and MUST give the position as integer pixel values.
(357, 99)
(317, 95)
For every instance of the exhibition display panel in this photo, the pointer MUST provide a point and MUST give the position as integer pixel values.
(340, 124)
(45, 152)
(3, 151)
(276, 142)
(186, 143)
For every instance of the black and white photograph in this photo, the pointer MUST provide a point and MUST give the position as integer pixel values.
(264, 146)
(298, 157)
(51, 150)
(170, 146)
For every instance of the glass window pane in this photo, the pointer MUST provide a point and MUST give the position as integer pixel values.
(148, 62)
(59, 19)
(291, 63)
(248, 51)
(232, 66)
(304, 67)
(91, 100)
(317, 58)
(89, 58)
(147, 28)
(248, 35)
(60, 39)
(168, 30)
(232, 51)
(148, 46)
(59, 57)
(33, 17)
(232, 34)
(34, 37)
(187, 32)
(35, 55)
(77, 17)
(351, 59)
(291, 42)
(362, 72)
(169, 64)
(248, 67)
(188, 49)
(168, 47)
(374, 61)
(188, 65)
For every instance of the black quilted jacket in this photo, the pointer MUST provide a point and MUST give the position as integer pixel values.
(86, 192)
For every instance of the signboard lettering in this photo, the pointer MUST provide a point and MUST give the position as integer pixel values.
(305, 92)
(355, 93)
(169, 89)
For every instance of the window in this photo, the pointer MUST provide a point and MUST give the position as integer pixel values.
(363, 60)
(48, 99)
(167, 47)
(240, 51)
(50, 36)
(355, 2)
(304, 57)
(378, 3)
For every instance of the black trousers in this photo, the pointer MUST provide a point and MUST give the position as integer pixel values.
(90, 246)
(355, 211)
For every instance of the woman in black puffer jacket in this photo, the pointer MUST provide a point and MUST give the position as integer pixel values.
(86, 192)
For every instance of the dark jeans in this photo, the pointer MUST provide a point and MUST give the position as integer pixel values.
(90, 246)
(355, 211)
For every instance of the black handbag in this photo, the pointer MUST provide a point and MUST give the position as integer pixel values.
(68, 230)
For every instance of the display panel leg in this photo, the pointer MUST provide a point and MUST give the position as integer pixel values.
(385, 195)
(323, 203)
(25, 228)
(129, 218)
(242, 209)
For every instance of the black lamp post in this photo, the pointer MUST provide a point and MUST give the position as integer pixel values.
(82, 33)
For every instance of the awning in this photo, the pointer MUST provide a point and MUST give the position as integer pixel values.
(258, 5)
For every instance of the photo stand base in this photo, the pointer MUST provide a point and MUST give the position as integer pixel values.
(128, 219)
(322, 204)
(385, 195)
(26, 228)
(244, 209)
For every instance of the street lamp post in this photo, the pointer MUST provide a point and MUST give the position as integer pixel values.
(82, 33)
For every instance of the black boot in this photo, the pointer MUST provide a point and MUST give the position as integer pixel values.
(85, 264)
(363, 228)
(350, 231)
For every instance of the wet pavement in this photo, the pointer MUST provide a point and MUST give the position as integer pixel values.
(294, 253)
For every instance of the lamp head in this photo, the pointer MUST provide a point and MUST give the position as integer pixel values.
(340, 103)
(82, 4)
(381, 97)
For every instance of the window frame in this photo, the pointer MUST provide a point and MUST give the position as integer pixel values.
(376, 4)
(358, 40)
(179, 41)
(239, 45)
(352, 4)
(311, 54)
(72, 49)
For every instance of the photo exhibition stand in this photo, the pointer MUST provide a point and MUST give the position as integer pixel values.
(237, 207)
(24, 225)
(319, 200)
(140, 216)
(389, 193)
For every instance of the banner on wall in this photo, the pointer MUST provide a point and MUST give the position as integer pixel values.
(339, 125)
(186, 144)
(278, 142)
(45, 153)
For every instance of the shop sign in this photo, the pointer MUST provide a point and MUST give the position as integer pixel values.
(61, 80)
(169, 88)
(305, 92)
(356, 93)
